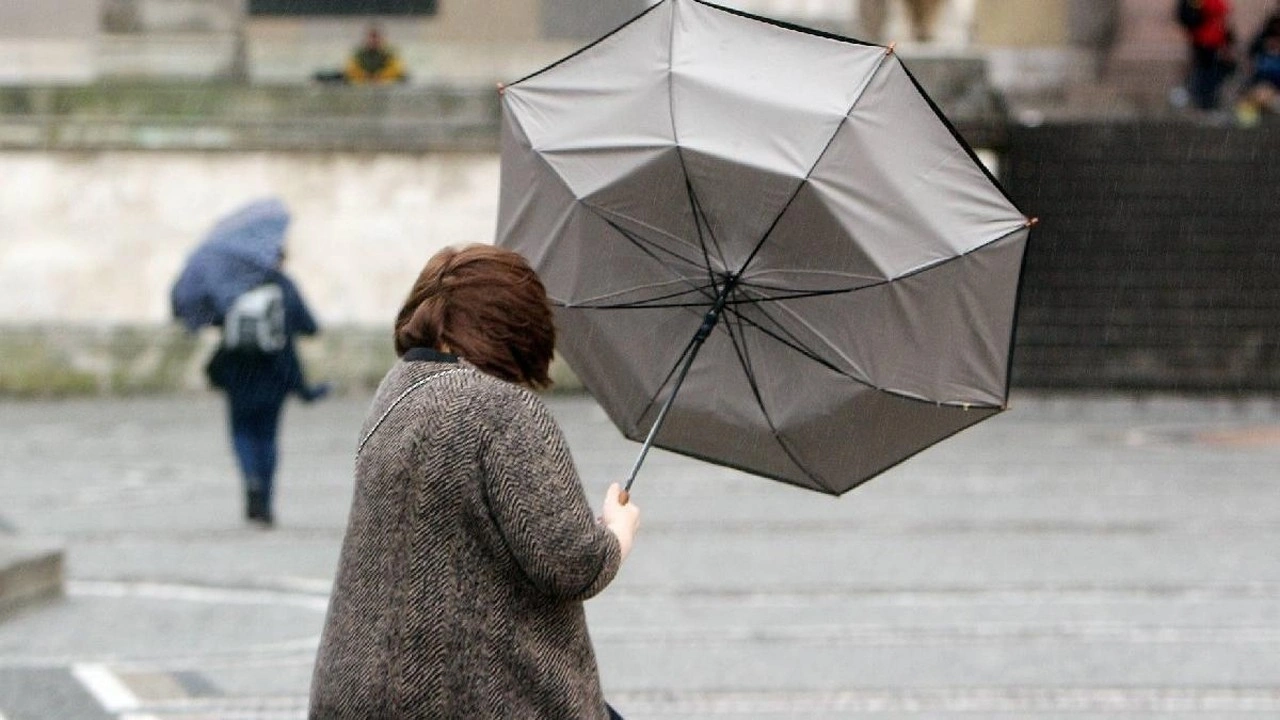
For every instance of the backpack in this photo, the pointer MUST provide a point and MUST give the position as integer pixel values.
(1189, 14)
(255, 322)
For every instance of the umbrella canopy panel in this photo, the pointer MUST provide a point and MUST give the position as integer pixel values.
(241, 251)
(866, 263)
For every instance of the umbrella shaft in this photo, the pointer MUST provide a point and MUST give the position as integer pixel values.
(704, 331)
(666, 406)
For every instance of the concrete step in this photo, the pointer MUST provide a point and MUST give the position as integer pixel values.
(30, 573)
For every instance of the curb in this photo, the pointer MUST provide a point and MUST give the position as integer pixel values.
(30, 574)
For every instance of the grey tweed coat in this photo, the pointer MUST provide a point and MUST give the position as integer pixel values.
(469, 550)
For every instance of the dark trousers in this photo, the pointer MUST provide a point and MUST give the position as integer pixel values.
(253, 436)
(1208, 72)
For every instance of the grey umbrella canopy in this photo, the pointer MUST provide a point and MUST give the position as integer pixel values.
(777, 218)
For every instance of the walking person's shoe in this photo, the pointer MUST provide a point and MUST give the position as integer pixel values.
(257, 510)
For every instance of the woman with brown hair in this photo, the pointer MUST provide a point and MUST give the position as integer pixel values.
(470, 547)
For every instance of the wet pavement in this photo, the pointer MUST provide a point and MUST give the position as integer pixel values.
(1076, 557)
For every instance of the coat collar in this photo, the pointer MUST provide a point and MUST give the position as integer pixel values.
(423, 354)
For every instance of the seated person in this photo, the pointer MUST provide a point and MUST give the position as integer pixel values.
(374, 62)
(1262, 91)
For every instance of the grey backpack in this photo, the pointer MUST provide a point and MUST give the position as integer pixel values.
(255, 322)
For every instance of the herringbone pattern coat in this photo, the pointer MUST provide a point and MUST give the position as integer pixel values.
(469, 550)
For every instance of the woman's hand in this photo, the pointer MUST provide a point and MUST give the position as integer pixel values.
(622, 520)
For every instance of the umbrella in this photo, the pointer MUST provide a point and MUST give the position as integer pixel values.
(776, 222)
(241, 252)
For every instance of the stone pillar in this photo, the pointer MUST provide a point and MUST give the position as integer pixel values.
(39, 46)
(944, 21)
(1022, 23)
(922, 13)
(238, 66)
(872, 17)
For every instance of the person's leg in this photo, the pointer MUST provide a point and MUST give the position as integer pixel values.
(245, 440)
(1204, 78)
(268, 430)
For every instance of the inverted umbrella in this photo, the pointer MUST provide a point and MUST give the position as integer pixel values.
(241, 252)
(776, 223)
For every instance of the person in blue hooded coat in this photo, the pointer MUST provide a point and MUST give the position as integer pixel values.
(257, 384)
(234, 279)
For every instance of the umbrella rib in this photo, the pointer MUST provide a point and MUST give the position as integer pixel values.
(699, 220)
(644, 246)
(654, 302)
(585, 48)
(809, 173)
(738, 340)
(799, 346)
(785, 25)
(799, 294)
(648, 246)
(675, 367)
(787, 338)
(638, 239)
(699, 217)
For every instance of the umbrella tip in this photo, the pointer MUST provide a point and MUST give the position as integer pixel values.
(891, 47)
(1033, 221)
(502, 89)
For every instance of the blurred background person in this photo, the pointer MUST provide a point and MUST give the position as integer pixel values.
(374, 62)
(234, 280)
(1208, 30)
(257, 381)
(1262, 89)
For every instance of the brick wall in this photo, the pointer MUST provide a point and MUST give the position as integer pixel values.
(1156, 264)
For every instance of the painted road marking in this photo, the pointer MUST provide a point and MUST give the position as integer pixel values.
(197, 594)
(888, 635)
(110, 692)
(1020, 700)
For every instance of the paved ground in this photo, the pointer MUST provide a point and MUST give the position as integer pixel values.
(1074, 558)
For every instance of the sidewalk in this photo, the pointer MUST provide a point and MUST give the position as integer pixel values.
(1073, 558)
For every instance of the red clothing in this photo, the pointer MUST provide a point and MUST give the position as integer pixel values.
(1213, 31)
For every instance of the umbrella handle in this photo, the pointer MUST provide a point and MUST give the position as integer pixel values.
(624, 497)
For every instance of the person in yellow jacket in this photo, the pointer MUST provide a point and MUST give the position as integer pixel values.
(374, 62)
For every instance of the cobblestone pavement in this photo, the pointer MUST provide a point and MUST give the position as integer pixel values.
(1076, 557)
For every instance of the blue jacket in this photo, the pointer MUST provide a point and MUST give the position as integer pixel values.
(253, 380)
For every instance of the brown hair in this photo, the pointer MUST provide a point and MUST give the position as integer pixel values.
(486, 305)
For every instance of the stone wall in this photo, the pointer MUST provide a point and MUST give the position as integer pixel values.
(224, 116)
(97, 237)
(91, 241)
(1156, 263)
